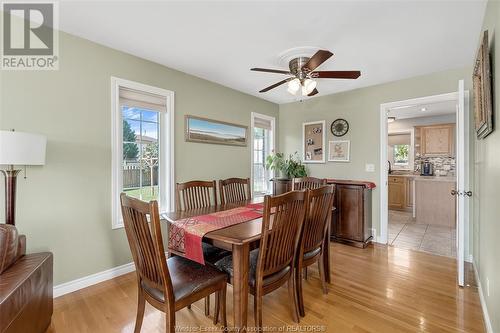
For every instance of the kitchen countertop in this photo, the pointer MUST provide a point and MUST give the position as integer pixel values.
(418, 177)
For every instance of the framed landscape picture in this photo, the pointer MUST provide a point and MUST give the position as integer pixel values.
(481, 79)
(338, 151)
(313, 142)
(213, 131)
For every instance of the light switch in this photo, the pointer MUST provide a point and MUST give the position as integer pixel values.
(370, 167)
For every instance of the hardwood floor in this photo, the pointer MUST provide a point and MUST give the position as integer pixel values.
(377, 289)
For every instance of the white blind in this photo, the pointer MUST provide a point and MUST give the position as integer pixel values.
(140, 99)
(262, 123)
(399, 139)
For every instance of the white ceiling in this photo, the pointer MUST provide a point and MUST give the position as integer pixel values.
(424, 110)
(221, 41)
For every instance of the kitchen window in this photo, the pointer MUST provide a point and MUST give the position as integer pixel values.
(400, 149)
(401, 155)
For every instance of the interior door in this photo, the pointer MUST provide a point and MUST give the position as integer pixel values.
(461, 181)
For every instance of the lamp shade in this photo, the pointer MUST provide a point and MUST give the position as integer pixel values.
(19, 148)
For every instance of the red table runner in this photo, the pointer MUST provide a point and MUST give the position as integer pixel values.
(186, 235)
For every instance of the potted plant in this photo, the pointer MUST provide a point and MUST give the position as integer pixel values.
(286, 168)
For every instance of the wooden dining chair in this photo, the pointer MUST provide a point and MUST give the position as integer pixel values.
(307, 183)
(234, 190)
(315, 231)
(200, 194)
(272, 265)
(195, 194)
(168, 285)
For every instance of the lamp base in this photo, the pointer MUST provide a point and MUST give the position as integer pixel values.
(10, 195)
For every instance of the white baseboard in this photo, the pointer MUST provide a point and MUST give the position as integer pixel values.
(86, 281)
(486, 316)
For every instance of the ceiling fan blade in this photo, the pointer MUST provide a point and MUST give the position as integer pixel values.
(314, 92)
(267, 70)
(336, 74)
(317, 59)
(276, 85)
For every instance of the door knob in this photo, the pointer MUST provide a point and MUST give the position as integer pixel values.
(468, 193)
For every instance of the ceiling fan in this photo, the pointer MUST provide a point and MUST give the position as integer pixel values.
(303, 74)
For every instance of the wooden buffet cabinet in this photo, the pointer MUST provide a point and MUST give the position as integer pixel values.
(352, 217)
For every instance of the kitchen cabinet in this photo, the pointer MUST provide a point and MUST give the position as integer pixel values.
(437, 140)
(434, 203)
(400, 193)
(397, 193)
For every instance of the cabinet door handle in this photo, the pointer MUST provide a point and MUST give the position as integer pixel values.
(453, 192)
(468, 193)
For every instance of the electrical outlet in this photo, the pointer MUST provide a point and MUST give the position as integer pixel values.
(370, 167)
(487, 287)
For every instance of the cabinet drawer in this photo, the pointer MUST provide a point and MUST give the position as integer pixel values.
(395, 179)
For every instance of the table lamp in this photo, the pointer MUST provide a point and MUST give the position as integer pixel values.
(18, 149)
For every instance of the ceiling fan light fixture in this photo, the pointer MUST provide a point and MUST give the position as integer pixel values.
(293, 86)
(308, 86)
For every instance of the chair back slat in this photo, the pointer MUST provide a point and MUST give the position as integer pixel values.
(309, 183)
(196, 194)
(319, 215)
(146, 243)
(234, 190)
(281, 227)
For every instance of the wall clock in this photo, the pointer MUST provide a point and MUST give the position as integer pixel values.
(339, 127)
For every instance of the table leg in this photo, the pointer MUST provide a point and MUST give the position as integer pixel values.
(240, 286)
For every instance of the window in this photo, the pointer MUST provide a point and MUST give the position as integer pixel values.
(262, 146)
(401, 154)
(400, 149)
(142, 145)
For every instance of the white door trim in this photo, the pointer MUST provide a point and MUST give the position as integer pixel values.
(384, 108)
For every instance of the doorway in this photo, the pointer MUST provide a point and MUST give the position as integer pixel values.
(424, 199)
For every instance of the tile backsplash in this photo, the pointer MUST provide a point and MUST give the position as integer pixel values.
(444, 166)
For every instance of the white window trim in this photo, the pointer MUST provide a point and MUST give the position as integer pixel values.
(166, 175)
(272, 143)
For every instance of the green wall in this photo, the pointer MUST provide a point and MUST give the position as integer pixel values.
(361, 108)
(65, 206)
(486, 192)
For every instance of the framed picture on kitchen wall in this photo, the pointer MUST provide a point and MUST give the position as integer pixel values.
(338, 151)
(313, 142)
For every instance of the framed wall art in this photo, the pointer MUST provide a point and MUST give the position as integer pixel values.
(339, 151)
(481, 79)
(213, 131)
(313, 142)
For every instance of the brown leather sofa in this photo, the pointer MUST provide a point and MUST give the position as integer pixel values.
(25, 285)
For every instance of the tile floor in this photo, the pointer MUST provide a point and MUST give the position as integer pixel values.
(405, 233)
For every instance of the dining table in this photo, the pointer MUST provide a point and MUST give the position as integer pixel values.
(239, 239)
